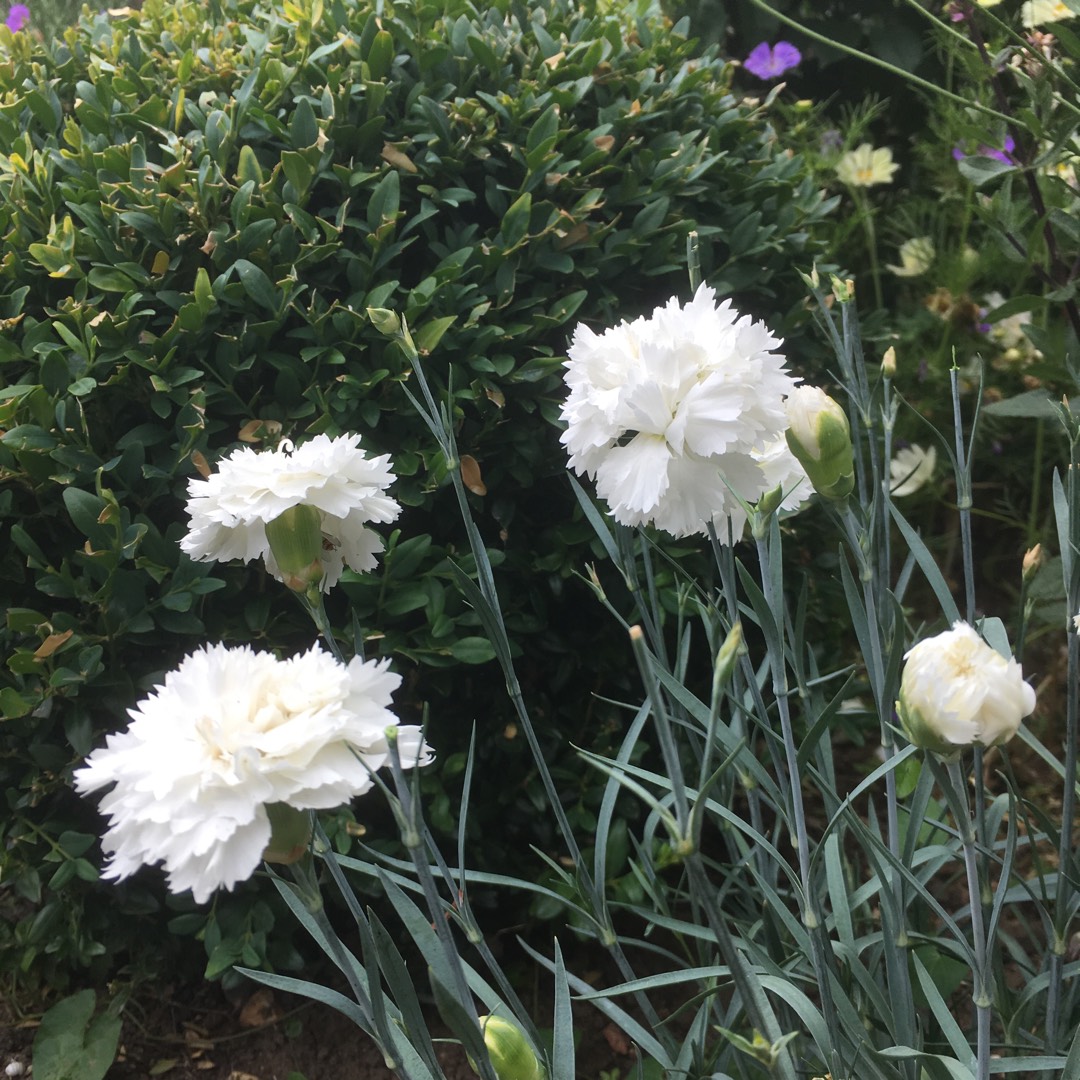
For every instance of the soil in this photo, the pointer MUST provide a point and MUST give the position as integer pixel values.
(274, 1036)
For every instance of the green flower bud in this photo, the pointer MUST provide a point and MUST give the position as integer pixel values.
(385, 321)
(820, 438)
(290, 833)
(511, 1056)
(295, 537)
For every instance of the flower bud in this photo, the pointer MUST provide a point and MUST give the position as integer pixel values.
(820, 438)
(511, 1056)
(888, 363)
(385, 321)
(956, 690)
(1033, 559)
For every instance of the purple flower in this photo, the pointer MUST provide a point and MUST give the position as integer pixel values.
(771, 61)
(1003, 155)
(18, 16)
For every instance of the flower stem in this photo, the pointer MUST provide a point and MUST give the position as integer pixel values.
(953, 785)
(767, 537)
(312, 602)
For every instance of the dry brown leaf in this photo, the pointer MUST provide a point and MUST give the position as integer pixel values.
(51, 644)
(393, 156)
(604, 142)
(470, 475)
(210, 244)
(259, 1009)
(618, 1040)
(202, 466)
(573, 236)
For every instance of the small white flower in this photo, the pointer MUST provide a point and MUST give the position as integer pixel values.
(1076, 623)
(866, 166)
(910, 469)
(230, 511)
(956, 690)
(678, 416)
(916, 257)
(230, 731)
(1037, 12)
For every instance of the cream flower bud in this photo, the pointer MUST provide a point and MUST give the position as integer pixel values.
(956, 690)
(888, 363)
(511, 1056)
(820, 438)
(1033, 560)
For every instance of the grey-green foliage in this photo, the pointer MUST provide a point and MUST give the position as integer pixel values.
(197, 205)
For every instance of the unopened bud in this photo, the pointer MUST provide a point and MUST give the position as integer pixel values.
(511, 1056)
(1033, 560)
(732, 648)
(820, 438)
(385, 321)
(888, 363)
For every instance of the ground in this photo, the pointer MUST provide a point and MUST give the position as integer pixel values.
(199, 1035)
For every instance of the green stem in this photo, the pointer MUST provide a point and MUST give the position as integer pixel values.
(312, 602)
(952, 783)
(867, 214)
(768, 550)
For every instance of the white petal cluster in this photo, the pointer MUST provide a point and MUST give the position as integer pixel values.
(956, 690)
(910, 469)
(230, 510)
(228, 732)
(680, 415)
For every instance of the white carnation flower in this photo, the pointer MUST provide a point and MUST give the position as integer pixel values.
(910, 469)
(678, 416)
(230, 731)
(956, 690)
(230, 511)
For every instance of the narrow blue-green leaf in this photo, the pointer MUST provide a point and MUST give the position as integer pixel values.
(611, 794)
(600, 526)
(322, 994)
(1061, 517)
(403, 990)
(341, 956)
(839, 900)
(906, 1053)
(928, 565)
(805, 1009)
(1071, 1068)
(946, 1021)
(629, 1025)
(562, 1047)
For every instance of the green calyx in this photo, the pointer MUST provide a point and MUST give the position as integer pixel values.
(295, 537)
(830, 461)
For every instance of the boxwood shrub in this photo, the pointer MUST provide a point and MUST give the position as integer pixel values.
(198, 203)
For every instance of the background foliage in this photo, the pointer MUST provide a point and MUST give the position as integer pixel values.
(197, 205)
